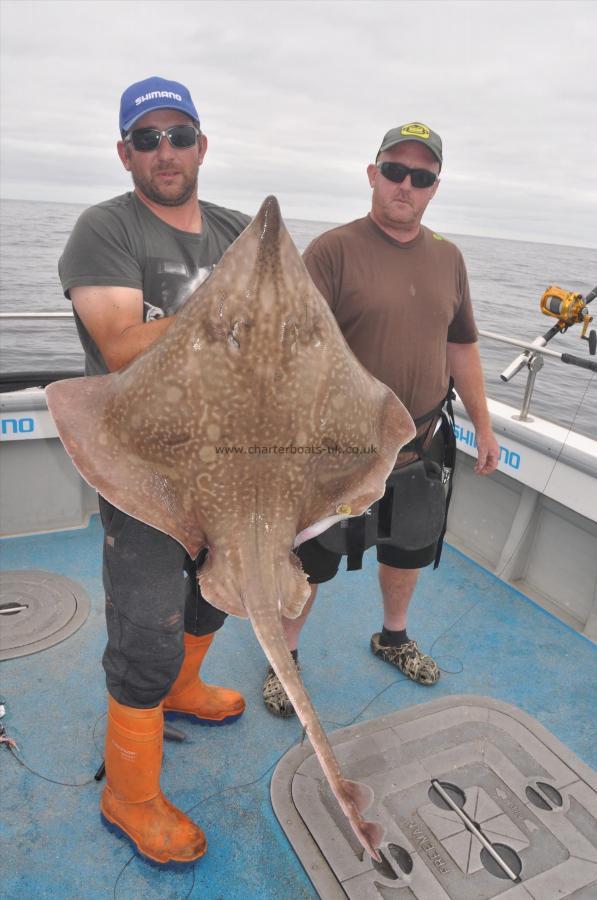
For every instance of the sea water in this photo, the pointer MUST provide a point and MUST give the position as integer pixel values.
(507, 279)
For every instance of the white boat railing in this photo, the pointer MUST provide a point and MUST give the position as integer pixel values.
(36, 315)
(532, 358)
(533, 522)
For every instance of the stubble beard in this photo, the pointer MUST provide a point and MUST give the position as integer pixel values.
(402, 211)
(403, 218)
(153, 193)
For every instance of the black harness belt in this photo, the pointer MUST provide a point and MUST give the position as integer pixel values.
(413, 512)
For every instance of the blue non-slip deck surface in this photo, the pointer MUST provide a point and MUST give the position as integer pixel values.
(487, 638)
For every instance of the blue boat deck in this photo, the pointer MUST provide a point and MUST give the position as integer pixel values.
(487, 638)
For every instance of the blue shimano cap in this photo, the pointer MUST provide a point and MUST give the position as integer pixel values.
(154, 93)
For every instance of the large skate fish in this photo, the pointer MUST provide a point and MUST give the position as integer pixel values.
(248, 428)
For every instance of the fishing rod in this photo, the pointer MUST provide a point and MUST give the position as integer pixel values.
(569, 308)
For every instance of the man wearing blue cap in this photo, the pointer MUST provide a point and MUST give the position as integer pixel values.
(127, 268)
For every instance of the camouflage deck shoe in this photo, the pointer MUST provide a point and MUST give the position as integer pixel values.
(408, 658)
(275, 697)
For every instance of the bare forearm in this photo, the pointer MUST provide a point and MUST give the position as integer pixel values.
(127, 345)
(467, 372)
(113, 316)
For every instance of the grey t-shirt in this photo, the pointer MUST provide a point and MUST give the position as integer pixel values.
(121, 243)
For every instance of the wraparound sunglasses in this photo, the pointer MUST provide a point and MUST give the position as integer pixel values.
(419, 178)
(147, 139)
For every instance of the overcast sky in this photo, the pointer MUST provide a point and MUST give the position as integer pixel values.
(295, 98)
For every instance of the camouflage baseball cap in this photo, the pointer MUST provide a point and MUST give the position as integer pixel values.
(414, 131)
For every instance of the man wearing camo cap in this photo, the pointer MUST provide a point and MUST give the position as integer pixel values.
(400, 294)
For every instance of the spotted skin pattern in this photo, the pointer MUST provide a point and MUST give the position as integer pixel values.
(254, 361)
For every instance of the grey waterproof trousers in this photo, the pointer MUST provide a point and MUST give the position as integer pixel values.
(152, 598)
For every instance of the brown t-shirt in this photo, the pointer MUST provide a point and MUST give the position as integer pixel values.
(397, 305)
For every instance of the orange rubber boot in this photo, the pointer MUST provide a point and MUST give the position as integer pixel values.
(192, 698)
(132, 803)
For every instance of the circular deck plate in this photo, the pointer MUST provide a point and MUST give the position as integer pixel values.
(37, 610)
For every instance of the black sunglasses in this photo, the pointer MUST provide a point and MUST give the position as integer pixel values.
(147, 139)
(419, 178)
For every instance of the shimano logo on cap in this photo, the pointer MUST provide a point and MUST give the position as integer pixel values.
(155, 95)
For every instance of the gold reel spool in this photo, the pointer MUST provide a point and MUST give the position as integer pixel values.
(569, 308)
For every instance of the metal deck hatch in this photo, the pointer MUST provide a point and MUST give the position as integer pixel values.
(477, 798)
(37, 610)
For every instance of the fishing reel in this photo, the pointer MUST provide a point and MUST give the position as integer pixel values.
(569, 309)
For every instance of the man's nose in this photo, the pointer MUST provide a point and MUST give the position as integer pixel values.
(164, 150)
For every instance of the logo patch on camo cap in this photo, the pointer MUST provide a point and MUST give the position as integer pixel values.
(415, 129)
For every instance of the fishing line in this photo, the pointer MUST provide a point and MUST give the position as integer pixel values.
(507, 561)
(92, 780)
(515, 549)
(399, 681)
(449, 628)
(202, 800)
(238, 787)
(403, 680)
(25, 765)
(245, 784)
(134, 856)
(232, 788)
